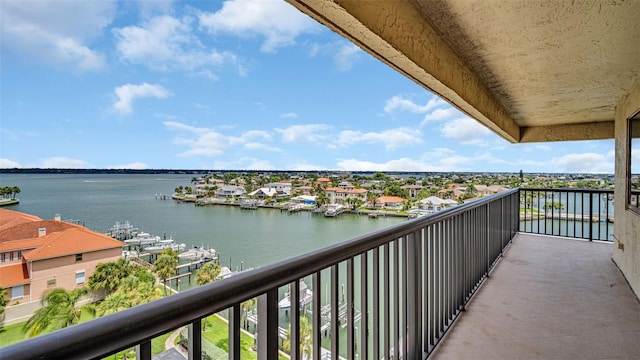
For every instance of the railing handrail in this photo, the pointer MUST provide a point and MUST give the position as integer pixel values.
(604, 191)
(146, 321)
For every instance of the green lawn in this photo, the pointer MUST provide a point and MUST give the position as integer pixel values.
(13, 333)
(218, 335)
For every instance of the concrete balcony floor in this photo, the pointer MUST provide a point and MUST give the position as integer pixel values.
(549, 298)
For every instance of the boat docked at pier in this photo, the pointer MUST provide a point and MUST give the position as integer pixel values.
(334, 210)
(305, 297)
(162, 245)
(142, 239)
(122, 232)
(198, 253)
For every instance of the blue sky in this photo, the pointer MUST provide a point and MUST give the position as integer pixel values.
(239, 84)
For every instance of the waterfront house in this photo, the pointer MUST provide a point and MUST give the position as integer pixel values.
(413, 190)
(267, 192)
(434, 203)
(389, 202)
(323, 182)
(339, 195)
(232, 191)
(36, 254)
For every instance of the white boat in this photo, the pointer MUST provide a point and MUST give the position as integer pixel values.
(305, 297)
(122, 232)
(197, 253)
(158, 248)
(334, 210)
(143, 238)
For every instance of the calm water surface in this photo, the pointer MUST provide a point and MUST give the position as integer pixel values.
(254, 238)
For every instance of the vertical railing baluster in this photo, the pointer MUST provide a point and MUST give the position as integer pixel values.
(143, 350)
(414, 297)
(403, 274)
(294, 314)
(375, 340)
(234, 332)
(335, 310)
(350, 312)
(386, 308)
(194, 335)
(268, 325)
(316, 315)
(396, 297)
(364, 307)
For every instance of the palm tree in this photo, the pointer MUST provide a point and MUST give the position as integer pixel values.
(59, 310)
(14, 191)
(306, 342)
(165, 266)
(209, 272)
(108, 276)
(246, 306)
(3, 298)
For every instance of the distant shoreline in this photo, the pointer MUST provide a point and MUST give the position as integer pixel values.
(208, 171)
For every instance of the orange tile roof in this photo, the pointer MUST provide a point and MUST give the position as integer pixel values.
(72, 241)
(10, 218)
(62, 238)
(389, 199)
(29, 230)
(13, 275)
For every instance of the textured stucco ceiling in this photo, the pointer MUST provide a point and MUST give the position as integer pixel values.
(530, 70)
(547, 62)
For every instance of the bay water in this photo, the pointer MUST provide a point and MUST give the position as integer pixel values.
(243, 238)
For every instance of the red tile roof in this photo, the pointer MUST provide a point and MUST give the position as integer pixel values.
(389, 199)
(10, 218)
(13, 275)
(62, 238)
(72, 241)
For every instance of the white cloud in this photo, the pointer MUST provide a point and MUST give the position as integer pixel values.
(209, 142)
(440, 114)
(278, 22)
(392, 138)
(9, 164)
(245, 163)
(583, 163)
(466, 131)
(134, 165)
(56, 32)
(129, 92)
(289, 115)
(166, 43)
(59, 162)
(347, 57)
(314, 133)
(399, 103)
(440, 159)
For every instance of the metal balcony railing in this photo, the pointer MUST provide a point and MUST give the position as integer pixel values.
(578, 213)
(405, 285)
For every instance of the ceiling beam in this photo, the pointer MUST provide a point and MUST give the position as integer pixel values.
(569, 132)
(397, 34)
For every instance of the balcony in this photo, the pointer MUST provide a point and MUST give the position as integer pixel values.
(509, 294)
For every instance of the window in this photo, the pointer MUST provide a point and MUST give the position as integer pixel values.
(80, 278)
(3, 257)
(11, 256)
(51, 282)
(17, 292)
(633, 166)
(78, 257)
(19, 255)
